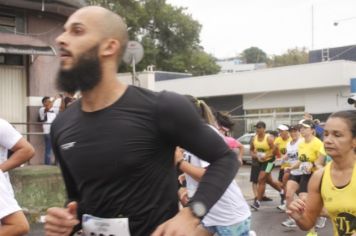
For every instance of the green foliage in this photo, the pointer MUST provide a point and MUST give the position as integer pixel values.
(291, 57)
(253, 55)
(170, 37)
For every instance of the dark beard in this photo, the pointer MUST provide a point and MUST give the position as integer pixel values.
(84, 76)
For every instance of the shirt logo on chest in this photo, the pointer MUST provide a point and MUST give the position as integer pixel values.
(67, 146)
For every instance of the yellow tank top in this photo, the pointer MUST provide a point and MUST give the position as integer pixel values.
(282, 147)
(309, 152)
(340, 203)
(263, 147)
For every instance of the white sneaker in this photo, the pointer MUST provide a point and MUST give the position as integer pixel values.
(320, 223)
(282, 207)
(252, 233)
(290, 223)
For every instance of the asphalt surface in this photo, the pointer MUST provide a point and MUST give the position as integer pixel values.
(265, 222)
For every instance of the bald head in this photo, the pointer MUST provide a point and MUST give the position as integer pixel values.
(106, 23)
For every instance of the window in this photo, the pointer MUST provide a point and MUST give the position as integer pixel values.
(12, 21)
(10, 59)
(7, 23)
(297, 109)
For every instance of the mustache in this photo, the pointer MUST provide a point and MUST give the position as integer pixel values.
(63, 51)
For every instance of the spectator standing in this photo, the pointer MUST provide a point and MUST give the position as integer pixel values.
(47, 114)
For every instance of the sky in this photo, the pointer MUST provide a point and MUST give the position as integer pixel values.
(231, 26)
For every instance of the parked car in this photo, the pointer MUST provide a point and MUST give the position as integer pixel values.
(245, 140)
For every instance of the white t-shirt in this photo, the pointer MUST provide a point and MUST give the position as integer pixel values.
(51, 115)
(230, 209)
(292, 155)
(9, 136)
(8, 203)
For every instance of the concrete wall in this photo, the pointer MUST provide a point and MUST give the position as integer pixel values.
(38, 188)
(307, 76)
(324, 100)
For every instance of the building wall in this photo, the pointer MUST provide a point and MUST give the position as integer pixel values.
(42, 22)
(43, 69)
(339, 53)
(316, 101)
(232, 105)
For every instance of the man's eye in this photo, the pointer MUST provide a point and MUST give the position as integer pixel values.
(77, 31)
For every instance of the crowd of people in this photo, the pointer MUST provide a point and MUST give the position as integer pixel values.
(128, 155)
(317, 166)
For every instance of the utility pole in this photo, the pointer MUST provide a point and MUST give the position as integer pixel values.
(312, 27)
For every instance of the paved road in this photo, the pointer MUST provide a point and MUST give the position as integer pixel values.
(265, 222)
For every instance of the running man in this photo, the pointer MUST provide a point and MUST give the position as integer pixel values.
(262, 149)
(116, 144)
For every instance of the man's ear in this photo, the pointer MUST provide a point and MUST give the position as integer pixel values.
(110, 47)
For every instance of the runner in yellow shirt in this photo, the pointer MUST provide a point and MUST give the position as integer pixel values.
(280, 145)
(333, 187)
(262, 149)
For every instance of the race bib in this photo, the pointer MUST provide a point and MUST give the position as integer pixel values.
(105, 227)
(306, 167)
(279, 161)
(261, 156)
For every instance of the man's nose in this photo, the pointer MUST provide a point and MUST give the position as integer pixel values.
(60, 40)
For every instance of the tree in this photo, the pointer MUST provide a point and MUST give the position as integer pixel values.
(291, 57)
(253, 55)
(170, 37)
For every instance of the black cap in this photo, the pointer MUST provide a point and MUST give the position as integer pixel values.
(351, 100)
(260, 124)
(294, 128)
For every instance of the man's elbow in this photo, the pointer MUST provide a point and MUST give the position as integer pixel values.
(22, 229)
(27, 153)
(14, 224)
(30, 151)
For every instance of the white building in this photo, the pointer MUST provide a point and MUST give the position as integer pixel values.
(274, 95)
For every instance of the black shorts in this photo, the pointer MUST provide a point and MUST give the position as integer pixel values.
(302, 180)
(257, 167)
(267, 166)
(255, 171)
(280, 175)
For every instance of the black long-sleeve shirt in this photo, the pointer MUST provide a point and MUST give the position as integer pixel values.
(118, 161)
